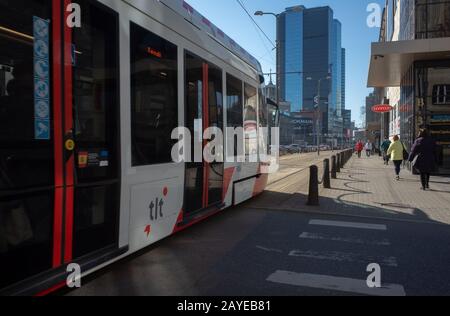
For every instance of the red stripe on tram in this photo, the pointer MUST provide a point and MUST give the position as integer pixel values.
(68, 124)
(57, 135)
(205, 142)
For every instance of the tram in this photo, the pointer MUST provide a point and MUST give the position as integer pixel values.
(87, 110)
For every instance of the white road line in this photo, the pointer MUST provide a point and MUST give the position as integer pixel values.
(314, 236)
(347, 224)
(269, 249)
(344, 256)
(334, 283)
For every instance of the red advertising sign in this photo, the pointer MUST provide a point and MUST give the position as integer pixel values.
(382, 108)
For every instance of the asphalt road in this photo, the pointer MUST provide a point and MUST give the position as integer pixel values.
(285, 253)
(245, 251)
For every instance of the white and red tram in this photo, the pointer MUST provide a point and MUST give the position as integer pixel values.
(86, 116)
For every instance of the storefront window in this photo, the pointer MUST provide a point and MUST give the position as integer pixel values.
(433, 81)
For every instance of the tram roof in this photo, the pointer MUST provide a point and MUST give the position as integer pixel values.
(190, 14)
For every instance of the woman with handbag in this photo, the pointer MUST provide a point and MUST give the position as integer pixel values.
(423, 157)
(397, 152)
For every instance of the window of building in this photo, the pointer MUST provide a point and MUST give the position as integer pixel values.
(441, 94)
(432, 19)
(154, 96)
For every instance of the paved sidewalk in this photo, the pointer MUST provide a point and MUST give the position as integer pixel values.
(367, 188)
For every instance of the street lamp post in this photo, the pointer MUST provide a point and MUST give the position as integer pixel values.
(277, 48)
(317, 106)
(278, 44)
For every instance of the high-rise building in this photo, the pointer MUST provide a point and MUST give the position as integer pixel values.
(371, 100)
(347, 126)
(311, 63)
(290, 35)
(343, 78)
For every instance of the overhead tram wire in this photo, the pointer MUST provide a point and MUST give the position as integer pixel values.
(258, 30)
(253, 20)
(241, 4)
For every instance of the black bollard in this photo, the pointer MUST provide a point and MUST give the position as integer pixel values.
(333, 167)
(338, 163)
(342, 160)
(326, 174)
(313, 195)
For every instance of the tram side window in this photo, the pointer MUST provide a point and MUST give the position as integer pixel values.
(263, 123)
(234, 107)
(154, 96)
(26, 156)
(250, 120)
(26, 160)
(96, 90)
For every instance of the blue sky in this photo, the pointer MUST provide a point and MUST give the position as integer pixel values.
(356, 35)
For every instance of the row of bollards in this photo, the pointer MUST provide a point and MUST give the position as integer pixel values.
(337, 163)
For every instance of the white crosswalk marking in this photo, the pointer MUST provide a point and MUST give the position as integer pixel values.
(334, 283)
(348, 224)
(344, 256)
(338, 283)
(315, 236)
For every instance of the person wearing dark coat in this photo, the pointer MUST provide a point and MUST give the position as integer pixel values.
(423, 153)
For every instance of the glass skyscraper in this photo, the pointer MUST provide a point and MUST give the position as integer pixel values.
(291, 60)
(311, 50)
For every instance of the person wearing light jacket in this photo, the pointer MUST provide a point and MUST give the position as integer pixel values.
(396, 152)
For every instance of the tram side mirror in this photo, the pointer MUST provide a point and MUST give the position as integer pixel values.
(261, 79)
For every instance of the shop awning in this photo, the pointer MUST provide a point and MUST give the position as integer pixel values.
(389, 61)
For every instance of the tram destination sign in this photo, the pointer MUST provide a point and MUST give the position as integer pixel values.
(382, 108)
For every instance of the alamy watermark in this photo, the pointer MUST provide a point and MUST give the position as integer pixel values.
(242, 145)
(374, 17)
(73, 280)
(374, 278)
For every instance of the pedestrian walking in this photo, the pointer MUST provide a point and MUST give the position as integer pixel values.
(359, 148)
(384, 148)
(368, 147)
(396, 150)
(423, 157)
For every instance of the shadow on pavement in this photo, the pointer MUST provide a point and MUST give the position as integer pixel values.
(296, 202)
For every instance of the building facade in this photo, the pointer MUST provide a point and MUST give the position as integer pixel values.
(270, 91)
(310, 52)
(343, 78)
(290, 36)
(347, 132)
(297, 128)
(412, 61)
(373, 120)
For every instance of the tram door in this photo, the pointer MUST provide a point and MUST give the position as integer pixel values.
(204, 109)
(58, 136)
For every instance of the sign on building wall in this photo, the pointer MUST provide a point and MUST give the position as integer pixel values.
(382, 108)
